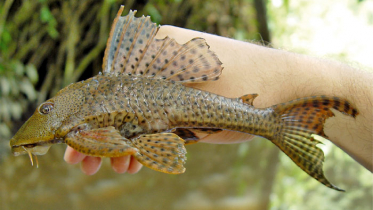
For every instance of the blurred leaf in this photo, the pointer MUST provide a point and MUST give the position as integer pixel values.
(110, 1)
(154, 13)
(4, 111)
(5, 39)
(32, 73)
(45, 14)
(5, 86)
(16, 110)
(47, 17)
(53, 32)
(243, 150)
(14, 86)
(286, 5)
(4, 130)
(240, 35)
(28, 89)
(18, 68)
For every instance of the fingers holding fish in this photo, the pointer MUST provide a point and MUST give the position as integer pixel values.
(90, 165)
(121, 164)
(72, 156)
(134, 166)
(125, 164)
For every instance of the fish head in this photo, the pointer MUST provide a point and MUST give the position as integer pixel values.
(43, 128)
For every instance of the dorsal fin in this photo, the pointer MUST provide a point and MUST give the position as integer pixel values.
(133, 50)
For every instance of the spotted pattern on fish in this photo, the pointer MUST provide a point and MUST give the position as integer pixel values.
(186, 107)
(289, 125)
(139, 100)
(163, 152)
(300, 120)
(133, 50)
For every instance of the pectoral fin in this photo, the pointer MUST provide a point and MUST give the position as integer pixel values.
(101, 142)
(164, 152)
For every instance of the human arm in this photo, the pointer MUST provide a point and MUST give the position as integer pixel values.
(279, 76)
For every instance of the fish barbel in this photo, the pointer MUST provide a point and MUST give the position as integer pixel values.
(140, 106)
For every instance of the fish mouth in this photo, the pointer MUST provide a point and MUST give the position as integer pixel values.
(37, 148)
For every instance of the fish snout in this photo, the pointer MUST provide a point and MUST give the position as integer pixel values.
(27, 140)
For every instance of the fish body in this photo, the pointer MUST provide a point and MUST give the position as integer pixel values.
(159, 105)
(140, 106)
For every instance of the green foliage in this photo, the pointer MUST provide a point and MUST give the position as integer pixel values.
(17, 88)
(234, 19)
(295, 190)
(290, 25)
(153, 13)
(5, 39)
(47, 17)
(17, 80)
(31, 45)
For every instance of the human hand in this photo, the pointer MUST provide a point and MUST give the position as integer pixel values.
(90, 165)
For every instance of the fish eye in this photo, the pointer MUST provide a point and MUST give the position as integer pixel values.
(46, 108)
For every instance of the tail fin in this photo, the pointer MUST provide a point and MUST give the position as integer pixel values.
(300, 120)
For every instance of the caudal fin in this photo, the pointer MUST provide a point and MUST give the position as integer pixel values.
(300, 121)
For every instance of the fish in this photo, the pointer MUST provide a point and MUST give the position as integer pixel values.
(140, 105)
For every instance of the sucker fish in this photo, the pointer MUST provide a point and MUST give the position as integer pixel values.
(140, 106)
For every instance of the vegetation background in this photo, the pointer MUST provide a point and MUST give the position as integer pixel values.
(48, 44)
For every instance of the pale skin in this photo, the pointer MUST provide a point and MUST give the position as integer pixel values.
(277, 76)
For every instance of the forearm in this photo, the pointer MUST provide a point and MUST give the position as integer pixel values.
(279, 76)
